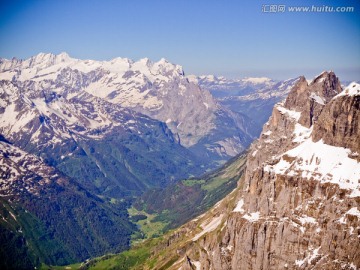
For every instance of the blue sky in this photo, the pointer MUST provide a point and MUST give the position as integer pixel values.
(222, 37)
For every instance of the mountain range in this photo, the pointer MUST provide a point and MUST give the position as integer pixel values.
(97, 134)
(83, 141)
(253, 97)
(296, 206)
(158, 90)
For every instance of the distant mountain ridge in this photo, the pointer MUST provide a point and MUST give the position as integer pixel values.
(159, 90)
(251, 97)
(221, 86)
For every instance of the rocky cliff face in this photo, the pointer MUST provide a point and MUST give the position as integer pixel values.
(298, 205)
(339, 122)
(310, 99)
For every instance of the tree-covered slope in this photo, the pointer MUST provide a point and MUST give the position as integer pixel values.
(47, 217)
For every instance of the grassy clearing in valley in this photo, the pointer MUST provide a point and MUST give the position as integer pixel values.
(148, 227)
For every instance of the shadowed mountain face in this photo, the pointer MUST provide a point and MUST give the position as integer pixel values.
(297, 206)
(47, 217)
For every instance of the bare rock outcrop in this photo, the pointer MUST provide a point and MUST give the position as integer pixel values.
(309, 99)
(339, 123)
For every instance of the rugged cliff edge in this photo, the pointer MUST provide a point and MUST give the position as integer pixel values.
(298, 206)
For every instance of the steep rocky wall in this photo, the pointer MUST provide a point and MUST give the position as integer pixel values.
(286, 222)
(339, 123)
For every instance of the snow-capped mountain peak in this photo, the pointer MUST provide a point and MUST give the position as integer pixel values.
(259, 80)
(45, 65)
(44, 60)
(220, 83)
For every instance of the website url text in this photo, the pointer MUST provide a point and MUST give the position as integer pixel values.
(324, 8)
